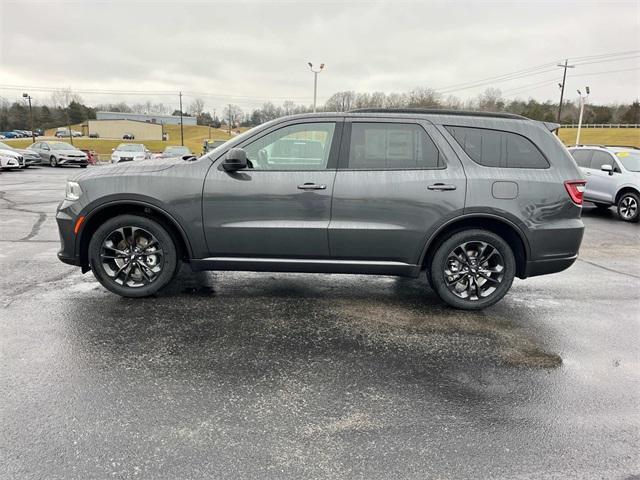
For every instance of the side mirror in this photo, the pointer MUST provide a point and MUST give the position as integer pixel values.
(236, 159)
(607, 168)
(113, 149)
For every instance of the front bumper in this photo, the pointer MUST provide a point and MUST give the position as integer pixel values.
(66, 224)
(72, 161)
(32, 161)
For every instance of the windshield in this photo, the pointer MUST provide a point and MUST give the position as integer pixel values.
(130, 147)
(630, 160)
(5, 146)
(177, 150)
(61, 146)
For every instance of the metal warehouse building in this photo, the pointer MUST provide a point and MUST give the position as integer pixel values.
(141, 117)
(117, 128)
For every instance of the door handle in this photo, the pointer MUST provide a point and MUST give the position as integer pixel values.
(441, 187)
(311, 186)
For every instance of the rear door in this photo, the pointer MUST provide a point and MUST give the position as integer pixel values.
(397, 179)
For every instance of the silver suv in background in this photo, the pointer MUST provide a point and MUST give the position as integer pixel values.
(613, 177)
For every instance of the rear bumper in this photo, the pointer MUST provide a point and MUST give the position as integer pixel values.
(544, 267)
(556, 248)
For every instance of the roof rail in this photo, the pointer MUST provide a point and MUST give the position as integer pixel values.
(438, 111)
(632, 147)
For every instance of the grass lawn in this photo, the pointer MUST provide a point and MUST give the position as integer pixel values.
(602, 136)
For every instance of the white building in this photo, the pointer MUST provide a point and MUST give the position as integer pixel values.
(141, 117)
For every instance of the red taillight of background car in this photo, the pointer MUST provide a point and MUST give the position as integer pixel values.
(575, 189)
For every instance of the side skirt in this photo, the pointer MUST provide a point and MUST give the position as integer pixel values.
(306, 266)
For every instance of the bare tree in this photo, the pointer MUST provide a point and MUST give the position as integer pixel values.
(196, 107)
(233, 114)
(62, 97)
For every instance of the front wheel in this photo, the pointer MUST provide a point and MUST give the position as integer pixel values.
(472, 269)
(628, 207)
(53, 161)
(133, 256)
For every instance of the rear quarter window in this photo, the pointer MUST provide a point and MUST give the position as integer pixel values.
(582, 157)
(497, 148)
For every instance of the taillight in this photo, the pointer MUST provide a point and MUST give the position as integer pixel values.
(575, 189)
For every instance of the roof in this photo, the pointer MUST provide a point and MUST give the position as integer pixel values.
(122, 120)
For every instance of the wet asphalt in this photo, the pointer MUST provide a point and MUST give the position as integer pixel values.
(297, 376)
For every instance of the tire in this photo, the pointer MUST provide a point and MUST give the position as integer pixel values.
(53, 162)
(133, 281)
(629, 207)
(487, 281)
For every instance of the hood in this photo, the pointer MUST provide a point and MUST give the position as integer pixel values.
(123, 153)
(69, 152)
(9, 153)
(25, 152)
(127, 168)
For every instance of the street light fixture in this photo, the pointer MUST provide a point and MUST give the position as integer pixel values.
(583, 100)
(33, 134)
(315, 71)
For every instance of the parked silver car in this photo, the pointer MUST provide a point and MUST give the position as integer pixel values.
(128, 152)
(59, 153)
(29, 157)
(613, 177)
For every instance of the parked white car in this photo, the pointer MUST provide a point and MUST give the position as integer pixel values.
(128, 152)
(613, 177)
(10, 160)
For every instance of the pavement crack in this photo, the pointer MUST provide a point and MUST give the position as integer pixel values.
(609, 269)
(35, 228)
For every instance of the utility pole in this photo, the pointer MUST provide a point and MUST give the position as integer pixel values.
(315, 82)
(229, 126)
(181, 126)
(583, 100)
(564, 65)
(33, 134)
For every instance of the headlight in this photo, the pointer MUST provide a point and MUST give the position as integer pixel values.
(73, 191)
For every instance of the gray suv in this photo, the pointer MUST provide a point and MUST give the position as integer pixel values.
(613, 177)
(474, 199)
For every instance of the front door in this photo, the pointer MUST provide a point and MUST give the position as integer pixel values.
(280, 206)
(393, 185)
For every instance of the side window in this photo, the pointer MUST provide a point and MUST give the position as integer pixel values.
(601, 158)
(305, 146)
(44, 146)
(582, 157)
(497, 148)
(392, 145)
(35, 145)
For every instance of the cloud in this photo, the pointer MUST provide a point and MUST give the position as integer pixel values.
(259, 50)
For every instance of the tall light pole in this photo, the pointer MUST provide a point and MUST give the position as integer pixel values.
(28, 97)
(583, 100)
(315, 71)
(181, 127)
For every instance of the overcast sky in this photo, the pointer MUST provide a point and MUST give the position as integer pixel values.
(258, 51)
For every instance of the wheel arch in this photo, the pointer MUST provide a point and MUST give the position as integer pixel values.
(625, 189)
(112, 209)
(506, 229)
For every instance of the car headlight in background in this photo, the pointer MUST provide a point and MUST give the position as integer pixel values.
(73, 191)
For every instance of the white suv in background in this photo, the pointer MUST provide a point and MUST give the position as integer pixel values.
(613, 177)
(128, 152)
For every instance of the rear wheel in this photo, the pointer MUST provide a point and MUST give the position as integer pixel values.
(629, 207)
(133, 256)
(472, 269)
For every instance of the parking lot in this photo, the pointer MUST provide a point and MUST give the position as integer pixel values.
(261, 375)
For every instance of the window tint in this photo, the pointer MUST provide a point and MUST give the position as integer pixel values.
(304, 146)
(392, 145)
(496, 148)
(601, 158)
(582, 157)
